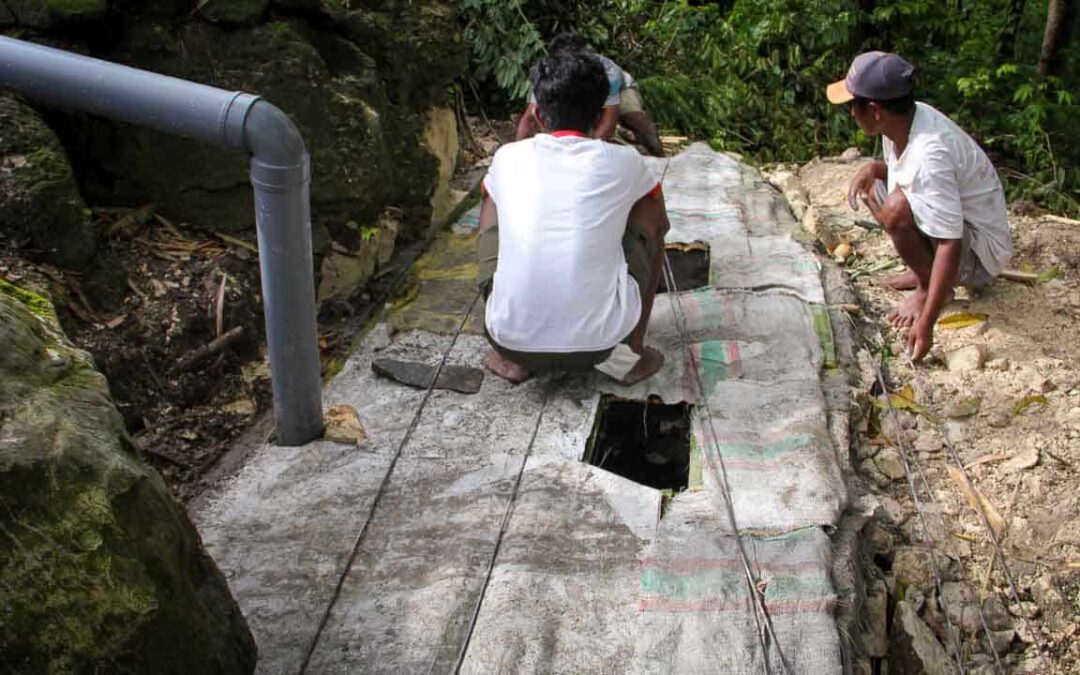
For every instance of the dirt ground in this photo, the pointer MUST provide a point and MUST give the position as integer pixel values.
(1001, 388)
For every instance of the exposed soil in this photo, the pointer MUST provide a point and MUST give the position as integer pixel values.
(1011, 412)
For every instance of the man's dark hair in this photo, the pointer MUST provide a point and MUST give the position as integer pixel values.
(570, 90)
(904, 105)
(570, 43)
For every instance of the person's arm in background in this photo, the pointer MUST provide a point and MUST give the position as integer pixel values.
(529, 124)
(609, 119)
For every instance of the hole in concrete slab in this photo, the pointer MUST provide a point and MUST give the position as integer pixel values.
(689, 264)
(649, 443)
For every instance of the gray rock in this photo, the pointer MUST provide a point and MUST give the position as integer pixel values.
(234, 12)
(966, 359)
(360, 99)
(914, 649)
(889, 463)
(457, 378)
(875, 632)
(1046, 593)
(912, 567)
(40, 205)
(850, 155)
(1000, 640)
(929, 442)
(102, 570)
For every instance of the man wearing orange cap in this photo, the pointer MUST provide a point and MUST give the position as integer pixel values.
(935, 193)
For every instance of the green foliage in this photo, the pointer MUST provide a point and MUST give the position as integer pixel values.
(750, 75)
(504, 43)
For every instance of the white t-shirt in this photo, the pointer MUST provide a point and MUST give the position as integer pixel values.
(561, 283)
(949, 181)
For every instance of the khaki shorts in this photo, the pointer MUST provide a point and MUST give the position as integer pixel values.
(640, 251)
(971, 273)
(630, 101)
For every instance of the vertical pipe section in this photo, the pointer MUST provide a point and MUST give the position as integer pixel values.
(280, 175)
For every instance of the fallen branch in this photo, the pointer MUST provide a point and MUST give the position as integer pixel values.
(211, 348)
(1019, 277)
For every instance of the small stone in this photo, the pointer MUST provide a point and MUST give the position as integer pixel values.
(1068, 533)
(784, 181)
(850, 155)
(966, 359)
(1033, 665)
(929, 442)
(956, 431)
(1024, 609)
(997, 617)
(815, 223)
(1046, 593)
(893, 510)
(871, 471)
(880, 541)
(1000, 364)
(912, 567)
(914, 649)
(1001, 640)
(999, 419)
(342, 425)
(890, 464)
(1025, 459)
(241, 406)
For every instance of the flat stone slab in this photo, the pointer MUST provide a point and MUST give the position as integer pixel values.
(455, 378)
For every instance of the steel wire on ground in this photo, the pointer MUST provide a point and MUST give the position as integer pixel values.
(763, 623)
(908, 460)
(382, 485)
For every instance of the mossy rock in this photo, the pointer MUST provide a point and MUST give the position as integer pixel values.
(100, 569)
(28, 13)
(76, 10)
(413, 48)
(40, 206)
(234, 12)
(365, 150)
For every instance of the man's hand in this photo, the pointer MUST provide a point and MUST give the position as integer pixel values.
(920, 338)
(862, 185)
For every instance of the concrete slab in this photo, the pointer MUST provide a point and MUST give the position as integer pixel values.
(589, 578)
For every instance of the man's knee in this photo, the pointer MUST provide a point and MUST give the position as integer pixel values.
(895, 214)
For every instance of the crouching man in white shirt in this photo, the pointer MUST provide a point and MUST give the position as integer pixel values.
(571, 236)
(936, 194)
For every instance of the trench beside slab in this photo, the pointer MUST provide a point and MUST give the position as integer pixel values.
(589, 578)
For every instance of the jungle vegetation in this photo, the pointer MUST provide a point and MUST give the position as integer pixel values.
(749, 75)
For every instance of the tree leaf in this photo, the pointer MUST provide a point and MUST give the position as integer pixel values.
(1028, 401)
(961, 320)
(965, 408)
(902, 400)
(1052, 273)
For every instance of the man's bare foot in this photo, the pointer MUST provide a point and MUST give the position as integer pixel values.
(907, 311)
(505, 368)
(904, 281)
(650, 362)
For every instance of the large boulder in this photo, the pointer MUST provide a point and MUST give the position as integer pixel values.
(361, 113)
(41, 209)
(100, 569)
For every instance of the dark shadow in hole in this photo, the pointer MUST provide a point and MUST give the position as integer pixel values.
(649, 443)
(689, 264)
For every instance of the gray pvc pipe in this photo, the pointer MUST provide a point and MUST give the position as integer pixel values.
(280, 176)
